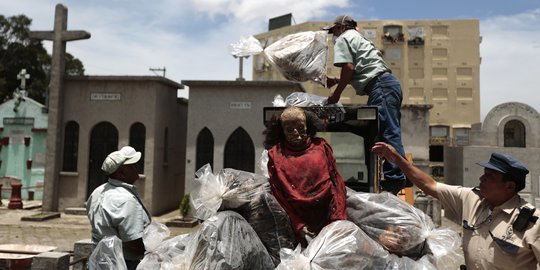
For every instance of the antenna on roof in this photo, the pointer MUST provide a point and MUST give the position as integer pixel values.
(158, 69)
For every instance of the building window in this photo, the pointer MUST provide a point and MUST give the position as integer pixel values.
(439, 31)
(393, 34)
(239, 151)
(461, 136)
(137, 139)
(438, 173)
(514, 134)
(205, 149)
(439, 135)
(416, 35)
(436, 153)
(71, 147)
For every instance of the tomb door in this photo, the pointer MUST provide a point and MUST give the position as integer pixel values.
(103, 141)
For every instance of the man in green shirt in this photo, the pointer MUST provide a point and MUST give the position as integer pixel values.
(363, 67)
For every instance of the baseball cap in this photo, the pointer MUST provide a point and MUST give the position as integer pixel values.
(126, 155)
(341, 20)
(509, 166)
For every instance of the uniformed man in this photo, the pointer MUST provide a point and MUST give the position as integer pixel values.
(500, 229)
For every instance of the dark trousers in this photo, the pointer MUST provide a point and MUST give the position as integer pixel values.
(385, 93)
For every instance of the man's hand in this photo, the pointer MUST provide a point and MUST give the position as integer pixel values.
(385, 150)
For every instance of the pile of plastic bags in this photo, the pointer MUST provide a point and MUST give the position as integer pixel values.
(245, 228)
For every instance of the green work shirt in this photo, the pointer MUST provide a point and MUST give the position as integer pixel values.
(115, 208)
(351, 47)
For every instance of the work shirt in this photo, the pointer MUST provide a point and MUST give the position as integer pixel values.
(491, 242)
(115, 208)
(351, 47)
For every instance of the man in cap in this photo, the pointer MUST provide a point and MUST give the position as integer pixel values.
(115, 208)
(363, 67)
(500, 229)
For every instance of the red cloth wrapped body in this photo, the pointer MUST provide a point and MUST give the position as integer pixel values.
(307, 184)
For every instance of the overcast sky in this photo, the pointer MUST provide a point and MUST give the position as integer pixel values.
(191, 38)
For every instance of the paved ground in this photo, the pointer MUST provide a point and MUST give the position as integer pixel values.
(60, 232)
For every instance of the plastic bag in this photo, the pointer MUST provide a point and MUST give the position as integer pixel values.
(246, 47)
(343, 245)
(167, 254)
(301, 56)
(271, 223)
(154, 234)
(301, 99)
(107, 255)
(401, 228)
(229, 189)
(398, 226)
(224, 241)
(263, 163)
(278, 101)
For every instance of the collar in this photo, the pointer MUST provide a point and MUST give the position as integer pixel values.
(119, 183)
(510, 205)
(298, 148)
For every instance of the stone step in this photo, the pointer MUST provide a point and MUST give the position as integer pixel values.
(81, 211)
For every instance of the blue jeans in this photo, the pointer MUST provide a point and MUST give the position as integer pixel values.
(386, 94)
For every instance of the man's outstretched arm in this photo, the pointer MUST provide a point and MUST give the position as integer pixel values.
(421, 179)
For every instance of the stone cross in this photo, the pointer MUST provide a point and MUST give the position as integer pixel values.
(23, 76)
(59, 37)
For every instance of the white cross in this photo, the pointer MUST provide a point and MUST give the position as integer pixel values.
(23, 76)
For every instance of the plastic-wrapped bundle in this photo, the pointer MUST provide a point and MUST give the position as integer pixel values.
(246, 47)
(224, 241)
(167, 254)
(107, 255)
(248, 194)
(154, 234)
(301, 56)
(300, 99)
(399, 227)
(270, 222)
(229, 189)
(343, 245)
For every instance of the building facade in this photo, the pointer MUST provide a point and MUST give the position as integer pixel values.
(225, 123)
(510, 128)
(101, 114)
(23, 129)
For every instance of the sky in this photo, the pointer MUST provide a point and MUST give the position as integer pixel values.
(191, 39)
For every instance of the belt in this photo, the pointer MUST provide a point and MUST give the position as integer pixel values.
(371, 82)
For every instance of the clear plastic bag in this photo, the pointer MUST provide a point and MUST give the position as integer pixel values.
(167, 255)
(343, 245)
(246, 47)
(263, 163)
(271, 223)
(154, 234)
(229, 189)
(301, 56)
(224, 241)
(107, 255)
(403, 229)
(301, 99)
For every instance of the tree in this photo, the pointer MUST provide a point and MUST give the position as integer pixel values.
(18, 51)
